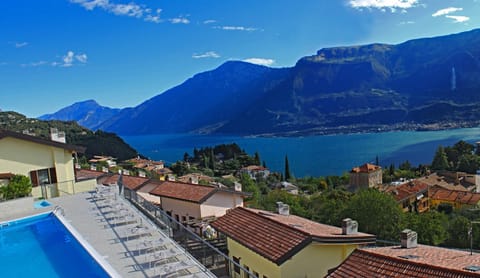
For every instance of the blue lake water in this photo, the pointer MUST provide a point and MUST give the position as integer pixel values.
(314, 155)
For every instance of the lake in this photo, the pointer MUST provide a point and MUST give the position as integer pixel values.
(313, 155)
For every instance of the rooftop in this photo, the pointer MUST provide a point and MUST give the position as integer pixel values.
(406, 190)
(130, 182)
(365, 168)
(462, 197)
(186, 191)
(394, 261)
(278, 237)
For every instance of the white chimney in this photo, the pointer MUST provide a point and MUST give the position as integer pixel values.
(126, 172)
(93, 167)
(238, 186)
(141, 174)
(194, 179)
(77, 166)
(105, 169)
(477, 181)
(170, 178)
(408, 238)
(283, 209)
(57, 136)
(349, 226)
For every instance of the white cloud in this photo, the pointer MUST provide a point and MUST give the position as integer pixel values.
(178, 20)
(35, 64)
(236, 28)
(20, 44)
(68, 59)
(209, 21)
(446, 11)
(458, 18)
(260, 61)
(406, 22)
(209, 54)
(383, 4)
(82, 58)
(131, 9)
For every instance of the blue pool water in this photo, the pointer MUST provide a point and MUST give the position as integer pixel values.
(40, 246)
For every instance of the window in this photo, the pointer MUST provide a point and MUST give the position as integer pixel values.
(236, 267)
(43, 176)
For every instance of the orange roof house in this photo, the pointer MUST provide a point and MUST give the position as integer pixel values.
(365, 176)
(457, 199)
(420, 262)
(412, 196)
(276, 245)
(188, 202)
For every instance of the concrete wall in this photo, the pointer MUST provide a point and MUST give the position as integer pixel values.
(182, 208)
(218, 204)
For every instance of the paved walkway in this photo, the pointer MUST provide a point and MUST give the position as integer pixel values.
(126, 239)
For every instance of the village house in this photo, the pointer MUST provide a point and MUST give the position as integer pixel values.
(409, 260)
(254, 171)
(100, 159)
(49, 164)
(145, 166)
(457, 181)
(412, 196)
(281, 245)
(193, 204)
(455, 198)
(365, 176)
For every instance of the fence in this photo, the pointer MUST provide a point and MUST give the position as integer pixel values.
(210, 253)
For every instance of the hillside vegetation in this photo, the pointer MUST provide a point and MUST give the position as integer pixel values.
(97, 143)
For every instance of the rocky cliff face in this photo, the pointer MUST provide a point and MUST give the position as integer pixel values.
(420, 82)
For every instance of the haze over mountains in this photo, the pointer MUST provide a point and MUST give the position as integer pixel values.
(342, 89)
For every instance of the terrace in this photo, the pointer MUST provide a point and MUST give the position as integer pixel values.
(129, 241)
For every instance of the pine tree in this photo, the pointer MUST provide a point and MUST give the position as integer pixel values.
(440, 161)
(257, 159)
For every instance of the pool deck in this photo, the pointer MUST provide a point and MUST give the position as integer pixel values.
(123, 236)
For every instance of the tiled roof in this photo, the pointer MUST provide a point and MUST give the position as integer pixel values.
(130, 182)
(84, 174)
(365, 168)
(422, 261)
(461, 197)
(254, 168)
(38, 140)
(183, 191)
(407, 190)
(443, 181)
(278, 237)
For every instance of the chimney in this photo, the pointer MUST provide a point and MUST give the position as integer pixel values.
(283, 209)
(93, 167)
(477, 180)
(349, 226)
(57, 136)
(170, 178)
(194, 179)
(105, 169)
(141, 174)
(408, 238)
(77, 166)
(125, 172)
(238, 186)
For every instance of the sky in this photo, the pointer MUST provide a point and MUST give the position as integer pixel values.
(120, 53)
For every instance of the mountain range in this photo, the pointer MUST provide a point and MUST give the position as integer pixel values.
(421, 83)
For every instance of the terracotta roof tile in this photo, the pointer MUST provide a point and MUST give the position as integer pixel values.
(386, 262)
(183, 191)
(84, 174)
(408, 189)
(130, 182)
(365, 168)
(277, 237)
(462, 197)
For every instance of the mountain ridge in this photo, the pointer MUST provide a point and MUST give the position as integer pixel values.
(425, 83)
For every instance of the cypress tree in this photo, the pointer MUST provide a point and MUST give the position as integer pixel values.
(287, 169)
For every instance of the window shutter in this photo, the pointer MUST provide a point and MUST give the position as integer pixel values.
(53, 175)
(34, 178)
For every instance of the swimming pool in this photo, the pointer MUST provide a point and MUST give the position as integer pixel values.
(41, 246)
